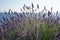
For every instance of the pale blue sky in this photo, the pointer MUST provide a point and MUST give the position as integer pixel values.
(15, 5)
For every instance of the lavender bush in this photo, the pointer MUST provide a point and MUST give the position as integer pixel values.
(29, 25)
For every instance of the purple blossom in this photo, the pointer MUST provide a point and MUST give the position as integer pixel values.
(24, 7)
(22, 33)
(32, 5)
(36, 36)
(28, 32)
(23, 37)
(27, 8)
(37, 6)
(49, 13)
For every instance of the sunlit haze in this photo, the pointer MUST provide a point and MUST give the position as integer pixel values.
(15, 5)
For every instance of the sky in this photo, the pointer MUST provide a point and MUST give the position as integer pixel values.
(15, 5)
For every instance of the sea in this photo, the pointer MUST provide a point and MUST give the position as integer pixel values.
(2, 14)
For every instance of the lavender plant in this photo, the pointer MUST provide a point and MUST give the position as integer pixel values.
(26, 25)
